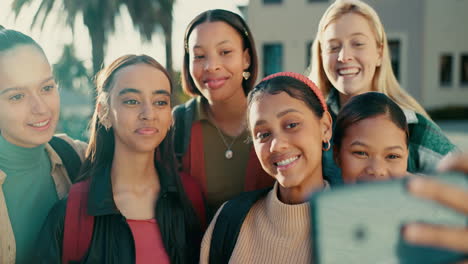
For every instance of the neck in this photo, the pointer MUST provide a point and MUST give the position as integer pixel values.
(343, 98)
(133, 169)
(300, 194)
(229, 115)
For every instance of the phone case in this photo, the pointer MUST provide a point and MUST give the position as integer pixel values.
(361, 223)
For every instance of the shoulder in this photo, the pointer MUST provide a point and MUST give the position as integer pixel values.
(78, 145)
(181, 109)
(238, 207)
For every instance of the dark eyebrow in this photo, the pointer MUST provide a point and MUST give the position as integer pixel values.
(133, 90)
(287, 111)
(23, 88)
(358, 143)
(219, 44)
(280, 114)
(394, 147)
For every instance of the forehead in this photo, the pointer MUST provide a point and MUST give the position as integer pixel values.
(375, 129)
(266, 106)
(23, 66)
(141, 76)
(347, 25)
(213, 32)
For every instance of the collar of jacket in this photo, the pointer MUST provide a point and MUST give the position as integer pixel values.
(100, 197)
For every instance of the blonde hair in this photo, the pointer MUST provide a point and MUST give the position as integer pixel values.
(384, 80)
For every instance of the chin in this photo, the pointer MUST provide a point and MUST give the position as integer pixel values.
(286, 182)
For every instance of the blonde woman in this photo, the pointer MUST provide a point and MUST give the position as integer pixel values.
(351, 57)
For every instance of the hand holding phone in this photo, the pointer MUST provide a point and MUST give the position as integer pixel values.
(362, 223)
(455, 238)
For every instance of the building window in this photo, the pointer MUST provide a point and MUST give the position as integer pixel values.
(272, 1)
(464, 70)
(394, 47)
(272, 58)
(445, 70)
(308, 53)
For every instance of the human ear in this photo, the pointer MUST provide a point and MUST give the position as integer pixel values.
(326, 126)
(103, 115)
(246, 59)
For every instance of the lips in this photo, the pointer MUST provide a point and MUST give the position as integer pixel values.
(286, 163)
(147, 131)
(215, 83)
(41, 125)
(348, 71)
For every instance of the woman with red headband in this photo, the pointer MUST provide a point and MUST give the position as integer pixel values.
(290, 127)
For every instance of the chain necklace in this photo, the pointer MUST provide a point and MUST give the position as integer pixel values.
(229, 153)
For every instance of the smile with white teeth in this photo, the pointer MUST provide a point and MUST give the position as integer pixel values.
(348, 71)
(40, 124)
(286, 161)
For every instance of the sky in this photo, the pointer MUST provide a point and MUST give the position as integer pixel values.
(125, 40)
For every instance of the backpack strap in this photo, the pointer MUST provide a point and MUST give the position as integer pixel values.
(184, 115)
(229, 223)
(78, 226)
(68, 155)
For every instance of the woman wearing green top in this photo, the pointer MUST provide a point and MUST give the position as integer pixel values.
(32, 175)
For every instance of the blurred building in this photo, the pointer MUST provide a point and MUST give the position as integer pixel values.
(428, 41)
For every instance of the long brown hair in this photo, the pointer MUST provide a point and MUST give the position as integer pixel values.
(180, 228)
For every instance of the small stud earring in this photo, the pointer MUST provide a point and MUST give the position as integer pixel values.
(246, 75)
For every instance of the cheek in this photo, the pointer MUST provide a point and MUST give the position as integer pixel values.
(350, 167)
(194, 70)
(166, 118)
(262, 152)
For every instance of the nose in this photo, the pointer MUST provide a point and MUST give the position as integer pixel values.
(38, 104)
(212, 63)
(377, 169)
(345, 54)
(278, 143)
(147, 112)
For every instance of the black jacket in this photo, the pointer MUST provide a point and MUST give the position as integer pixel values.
(112, 240)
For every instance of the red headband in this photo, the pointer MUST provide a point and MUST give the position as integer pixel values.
(303, 79)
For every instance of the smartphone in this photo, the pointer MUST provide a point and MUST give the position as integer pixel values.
(362, 223)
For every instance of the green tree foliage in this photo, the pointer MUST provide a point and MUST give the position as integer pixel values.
(99, 16)
(71, 72)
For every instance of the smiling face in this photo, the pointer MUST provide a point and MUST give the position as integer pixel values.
(217, 60)
(29, 100)
(140, 109)
(288, 138)
(373, 149)
(350, 54)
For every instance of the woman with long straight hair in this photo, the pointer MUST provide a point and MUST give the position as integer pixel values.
(134, 193)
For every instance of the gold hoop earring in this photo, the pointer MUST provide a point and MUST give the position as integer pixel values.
(326, 145)
(246, 75)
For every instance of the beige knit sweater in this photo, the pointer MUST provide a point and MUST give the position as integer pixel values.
(272, 232)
